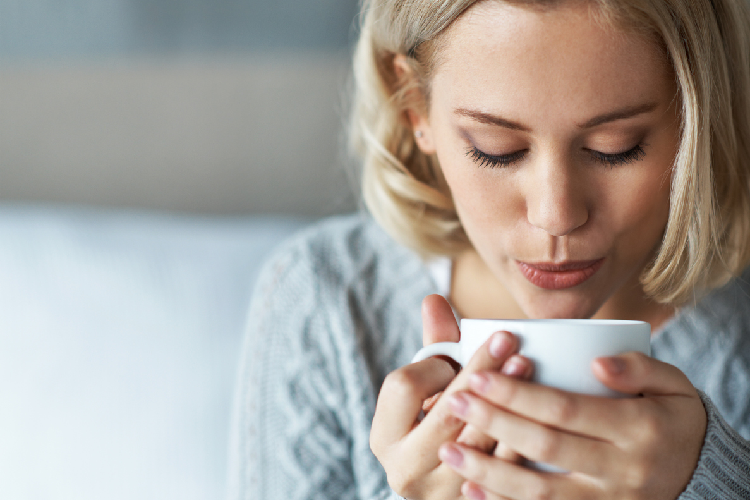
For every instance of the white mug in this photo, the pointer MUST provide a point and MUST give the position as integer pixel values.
(561, 350)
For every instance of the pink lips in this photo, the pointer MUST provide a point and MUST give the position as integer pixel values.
(559, 276)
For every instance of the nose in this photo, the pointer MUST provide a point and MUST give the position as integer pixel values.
(555, 200)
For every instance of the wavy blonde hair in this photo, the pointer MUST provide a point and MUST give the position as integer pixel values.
(707, 237)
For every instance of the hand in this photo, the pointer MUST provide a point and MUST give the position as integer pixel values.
(633, 448)
(406, 446)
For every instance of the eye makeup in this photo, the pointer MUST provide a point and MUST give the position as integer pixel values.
(487, 160)
(494, 161)
(616, 159)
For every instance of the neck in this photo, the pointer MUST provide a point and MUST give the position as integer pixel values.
(636, 306)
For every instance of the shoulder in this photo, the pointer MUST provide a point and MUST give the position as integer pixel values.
(730, 304)
(349, 279)
(343, 251)
(723, 313)
(710, 343)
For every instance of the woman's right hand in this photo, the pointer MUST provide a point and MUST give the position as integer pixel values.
(406, 444)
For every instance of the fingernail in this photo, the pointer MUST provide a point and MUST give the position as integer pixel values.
(459, 404)
(451, 455)
(473, 492)
(500, 345)
(614, 365)
(479, 382)
(514, 367)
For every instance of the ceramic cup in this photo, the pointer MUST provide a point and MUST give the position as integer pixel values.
(561, 350)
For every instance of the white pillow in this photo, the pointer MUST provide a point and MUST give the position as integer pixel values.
(119, 337)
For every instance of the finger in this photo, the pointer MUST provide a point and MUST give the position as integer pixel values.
(438, 320)
(474, 491)
(516, 366)
(635, 373)
(592, 416)
(439, 324)
(506, 480)
(505, 452)
(438, 426)
(523, 369)
(429, 403)
(474, 438)
(401, 398)
(533, 440)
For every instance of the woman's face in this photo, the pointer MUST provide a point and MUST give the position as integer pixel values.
(556, 135)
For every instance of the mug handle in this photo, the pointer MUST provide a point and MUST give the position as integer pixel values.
(450, 349)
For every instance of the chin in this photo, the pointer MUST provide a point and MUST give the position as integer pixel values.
(558, 307)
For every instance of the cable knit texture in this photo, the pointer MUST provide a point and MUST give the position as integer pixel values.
(338, 308)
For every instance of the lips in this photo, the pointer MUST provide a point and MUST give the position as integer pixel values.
(559, 276)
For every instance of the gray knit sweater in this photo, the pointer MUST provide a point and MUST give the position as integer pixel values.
(338, 308)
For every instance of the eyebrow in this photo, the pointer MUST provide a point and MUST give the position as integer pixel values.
(619, 114)
(490, 119)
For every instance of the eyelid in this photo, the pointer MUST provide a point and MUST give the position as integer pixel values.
(495, 161)
(633, 154)
(483, 159)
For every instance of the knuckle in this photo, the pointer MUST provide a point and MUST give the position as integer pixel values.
(635, 475)
(477, 473)
(400, 383)
(403, 481)
(506, 393)
(649, 429)
(378, 447)
(481, 416)
(400, 484)
(399, 478)
(540, 489)
(562, 409)
(546, 445)
(374, 445)
(640, 364)
(636, 357)
(629, 408)
(444, 416)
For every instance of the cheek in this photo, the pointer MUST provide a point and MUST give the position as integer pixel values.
(641, 209)
(484, 198)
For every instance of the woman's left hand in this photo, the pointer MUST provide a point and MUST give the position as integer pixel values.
(632, 448)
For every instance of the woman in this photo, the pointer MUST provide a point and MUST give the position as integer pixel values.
(529, 159)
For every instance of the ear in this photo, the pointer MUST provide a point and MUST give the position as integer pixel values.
(420, 123)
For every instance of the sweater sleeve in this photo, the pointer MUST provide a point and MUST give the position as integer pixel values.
(290, 438)
(723, 470)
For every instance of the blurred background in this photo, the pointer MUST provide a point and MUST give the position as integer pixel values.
(211, 106)
(153, 153)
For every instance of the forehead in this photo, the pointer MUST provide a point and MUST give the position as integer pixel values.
(502, 51)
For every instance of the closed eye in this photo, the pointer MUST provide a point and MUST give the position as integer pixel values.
(616, 159)
(495, 161)
(483, 159)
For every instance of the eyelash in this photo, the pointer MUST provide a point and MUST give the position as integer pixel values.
(625, 158)
(611, 160)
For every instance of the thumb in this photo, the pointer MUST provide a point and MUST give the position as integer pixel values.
(439, 325)
(635, 373)
(438, 322)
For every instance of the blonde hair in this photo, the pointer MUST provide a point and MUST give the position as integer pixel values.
(707, 237)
